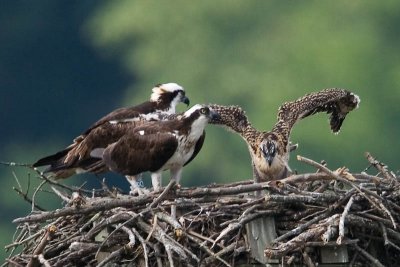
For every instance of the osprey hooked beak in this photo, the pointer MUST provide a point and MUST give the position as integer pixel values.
(269, 151)
(185, 99)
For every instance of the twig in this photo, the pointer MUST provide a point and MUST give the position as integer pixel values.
(25, 240)
(96, 206)
(164, 193)
(212, 220)
(373, 260)
(61, 195)
(26, 198)
(50, 231)
(205, 191)
(381, 167)
(116, 254)
(169, 244)
(143, 243)
(208, 251)
(153, 228)
(43, 261)
(240, 223)
(231, 247)
(302, 238)
(307, 260)
(337, 177)
(12, 164)
(302, 227)
(34, 194)
(341, 221)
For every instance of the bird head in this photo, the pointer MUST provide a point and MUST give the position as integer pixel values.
(196, 118)
(201, 112)
(169, 93)
(268, 150)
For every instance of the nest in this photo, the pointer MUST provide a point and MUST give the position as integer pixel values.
(313, 212)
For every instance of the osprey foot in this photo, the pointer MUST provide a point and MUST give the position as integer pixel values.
(138, 191)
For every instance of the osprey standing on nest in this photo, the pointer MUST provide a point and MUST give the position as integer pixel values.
(269, 150)
(159, 146)
(76, 158)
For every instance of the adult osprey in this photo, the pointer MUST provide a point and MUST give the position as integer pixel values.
(76, 158)
(159, 146)
(269, 150)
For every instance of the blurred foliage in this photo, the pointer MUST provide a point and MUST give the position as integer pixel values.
(258, 55)
(64, 64)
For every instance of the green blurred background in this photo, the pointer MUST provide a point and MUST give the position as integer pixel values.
(64, 64)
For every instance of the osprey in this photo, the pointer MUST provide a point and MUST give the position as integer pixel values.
(269, 150)
(76, 157)
(159, 146)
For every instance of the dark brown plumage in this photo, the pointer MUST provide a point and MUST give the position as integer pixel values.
(269, 150)
(159, 146)
(76, 157)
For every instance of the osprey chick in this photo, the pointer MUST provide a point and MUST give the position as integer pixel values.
(269, 150)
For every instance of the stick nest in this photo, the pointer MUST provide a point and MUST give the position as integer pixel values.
(325, 209)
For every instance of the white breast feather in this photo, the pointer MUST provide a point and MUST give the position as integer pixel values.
(186, 144)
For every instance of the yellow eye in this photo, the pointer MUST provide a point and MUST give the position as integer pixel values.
(203, 111)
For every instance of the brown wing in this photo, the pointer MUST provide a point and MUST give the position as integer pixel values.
(77, 155)
(124, 113)
(106, 131)
(111, 131)
(336, 102)
(135, 153)
(232, 117)
(78, 147)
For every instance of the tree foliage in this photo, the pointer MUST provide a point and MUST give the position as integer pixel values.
(258, 55)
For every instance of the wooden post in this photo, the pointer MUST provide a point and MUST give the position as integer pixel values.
(331, 255)
(261, 232)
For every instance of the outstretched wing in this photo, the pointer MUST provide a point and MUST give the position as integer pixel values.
(135, 153)
(335, 101)
(232, 117)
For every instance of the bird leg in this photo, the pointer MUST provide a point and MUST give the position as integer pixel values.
(176, 175)
(137, 186)
(156, 181)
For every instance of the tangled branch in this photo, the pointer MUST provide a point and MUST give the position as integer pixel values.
(315, 210)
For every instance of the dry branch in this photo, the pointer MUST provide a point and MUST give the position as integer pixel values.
(311, 211)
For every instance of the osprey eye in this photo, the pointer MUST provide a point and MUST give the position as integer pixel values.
(203, 111)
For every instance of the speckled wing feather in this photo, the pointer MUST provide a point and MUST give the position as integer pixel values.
(232, 117)
(335, 101)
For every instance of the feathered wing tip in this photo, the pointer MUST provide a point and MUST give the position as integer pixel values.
(52, 159)
(356, 99)
(344, 105)
(334, 101)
